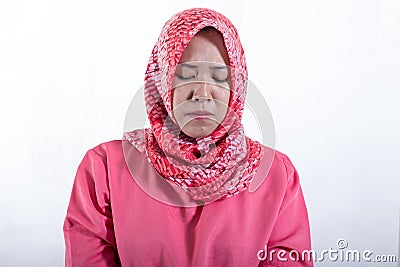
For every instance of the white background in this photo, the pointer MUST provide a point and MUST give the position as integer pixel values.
(329, 70)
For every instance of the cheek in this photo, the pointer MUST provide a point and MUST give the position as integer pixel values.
(175, 94)
(227, 97)
(224, 96)
(179, 97)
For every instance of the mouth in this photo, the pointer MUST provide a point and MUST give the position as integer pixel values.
(201, 114)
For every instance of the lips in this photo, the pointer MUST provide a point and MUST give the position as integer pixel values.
(201, 114)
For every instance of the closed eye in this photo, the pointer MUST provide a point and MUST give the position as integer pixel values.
(185, 78)
(220, 80)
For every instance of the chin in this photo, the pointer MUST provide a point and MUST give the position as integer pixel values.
(199, 132)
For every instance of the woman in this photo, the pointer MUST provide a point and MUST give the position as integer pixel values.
(189, 203)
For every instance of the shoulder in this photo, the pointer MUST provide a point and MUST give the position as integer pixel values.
(275, 170)
(106, 146)
(106, 149)
(279, 162)
(104, 163)
(105, 155)
(285, 162)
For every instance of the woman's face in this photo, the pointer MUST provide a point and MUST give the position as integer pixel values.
(202, 85)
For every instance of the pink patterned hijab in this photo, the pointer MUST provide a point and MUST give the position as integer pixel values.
(214, 167)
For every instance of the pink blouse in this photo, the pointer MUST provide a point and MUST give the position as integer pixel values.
(111, 221)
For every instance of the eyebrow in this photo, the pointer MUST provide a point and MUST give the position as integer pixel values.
(188, 65)
(219, 67)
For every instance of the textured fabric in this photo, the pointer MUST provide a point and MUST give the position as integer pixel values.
(229, 159)
(111, 221)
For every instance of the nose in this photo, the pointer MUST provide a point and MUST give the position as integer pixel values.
(202, 92)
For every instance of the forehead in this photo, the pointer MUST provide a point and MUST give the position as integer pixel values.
(206, 46)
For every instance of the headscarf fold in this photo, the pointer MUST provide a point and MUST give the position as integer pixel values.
(214, 167)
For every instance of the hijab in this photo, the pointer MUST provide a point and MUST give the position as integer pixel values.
(210, 168)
